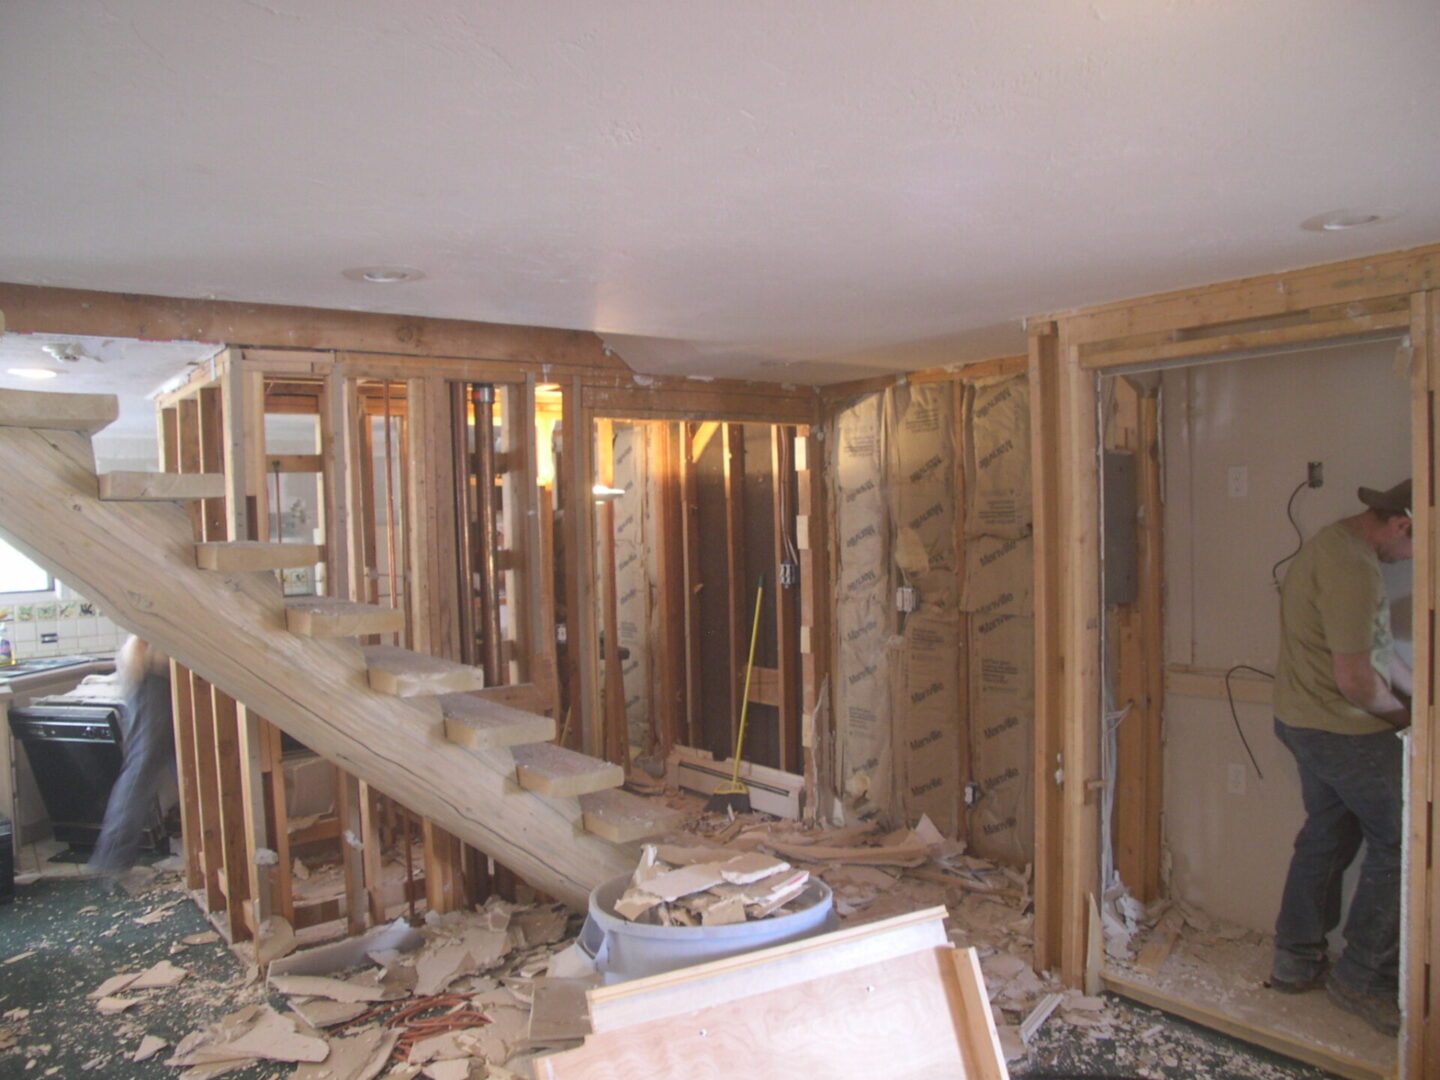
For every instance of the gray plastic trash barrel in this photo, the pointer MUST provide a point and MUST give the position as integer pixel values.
(625, 950)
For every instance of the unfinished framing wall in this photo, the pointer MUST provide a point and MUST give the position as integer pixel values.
(919, 489)
(1240, 320)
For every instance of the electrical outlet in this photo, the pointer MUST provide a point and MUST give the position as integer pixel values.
(1315, 474)
(1235, 780)
(1237, 481)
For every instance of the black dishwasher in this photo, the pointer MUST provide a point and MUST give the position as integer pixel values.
(73, 746)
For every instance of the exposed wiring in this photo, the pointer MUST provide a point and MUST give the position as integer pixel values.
(1230, 695)
(1299, 536)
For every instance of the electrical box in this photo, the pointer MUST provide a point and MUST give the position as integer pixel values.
(1120, 584)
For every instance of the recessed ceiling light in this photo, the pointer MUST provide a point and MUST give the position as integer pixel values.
(384, 275)
(1349, 218)
(34, 372)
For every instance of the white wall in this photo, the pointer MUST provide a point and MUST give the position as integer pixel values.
(1347, 407)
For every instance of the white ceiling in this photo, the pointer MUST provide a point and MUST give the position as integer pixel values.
(800, 190)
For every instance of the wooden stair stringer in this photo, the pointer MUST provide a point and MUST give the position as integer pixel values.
(136, 561)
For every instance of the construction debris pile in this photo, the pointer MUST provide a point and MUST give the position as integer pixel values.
(683, 886)
(449, 1000)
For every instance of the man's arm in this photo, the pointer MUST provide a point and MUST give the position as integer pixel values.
(1363, 687)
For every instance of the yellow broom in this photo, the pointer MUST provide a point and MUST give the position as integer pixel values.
(734, 795)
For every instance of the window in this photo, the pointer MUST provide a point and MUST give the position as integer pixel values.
(19, 574)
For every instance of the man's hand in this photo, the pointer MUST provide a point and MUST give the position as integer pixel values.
(1363, 687)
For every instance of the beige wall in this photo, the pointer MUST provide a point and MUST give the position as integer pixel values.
(1348, 407)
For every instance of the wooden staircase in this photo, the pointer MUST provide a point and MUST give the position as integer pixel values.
(405, 723)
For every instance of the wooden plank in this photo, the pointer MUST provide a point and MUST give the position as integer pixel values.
(191, 451)
(211, 846)
(971, 1016)
(183, 715)
(554, 770)
(673, 994)
(484, 725)
(959, 485)
(32, 309)
(347, 805)
(999, 366)
(212, 461)
(1420, 938)
(615, 735)
(160, 486)
(1152, 634)
(765, 404)
(393, 670)
(131, 560)
(692, 580)
(1046, 472)
(322, 617)
(238, 519)
(277, 816)
(1366, 278)
(1253, 340)
(787, 624)
(241, 556)
(621, 817)
(1186, 681)
(670, 683)
(337, 507)
(293, 463)
(814, 615)
(1079, 624)
(801, 1031)
(1277, 1041)
(86, 413)
(443, 856)
(580, 601)
(738, 596)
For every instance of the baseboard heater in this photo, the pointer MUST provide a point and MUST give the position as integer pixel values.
(771, 790)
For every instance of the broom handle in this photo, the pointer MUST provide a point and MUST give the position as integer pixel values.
(749, 670)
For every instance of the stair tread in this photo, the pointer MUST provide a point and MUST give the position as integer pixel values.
(161, 486)
(240, 555)
(50, 411)
(393, 670)
(330, 617)
(621, 816)
(483, 725)
(554, 770)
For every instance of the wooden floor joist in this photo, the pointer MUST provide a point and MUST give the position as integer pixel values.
(161, 486)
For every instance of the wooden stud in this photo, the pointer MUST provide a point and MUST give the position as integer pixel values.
(669, 676)
(739, 594)
(964, 767)
(1046, 478)
(616, 734)
(692, 580)
(212, 461)
(277, 815)
(335, 434)
(183, 715)
(787, 625)
(211, 847)
(348, 803)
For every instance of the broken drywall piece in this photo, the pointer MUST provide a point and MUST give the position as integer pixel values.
(1038, 1015)
(540, 926)
(634, 903)
(361, 1056)
(751, 867)
(113, 985)
(207, 937)
(149, 1046)
(323, 1013)
(437, 967)
(559, 1011)
(114, 1006)
(673, 884)
(455, 1069)
(160, 976)
(321, 986)
(277, 939)
(725, 911)
(679, 855)
(154, 915)
(255, 1032)
(350, 952)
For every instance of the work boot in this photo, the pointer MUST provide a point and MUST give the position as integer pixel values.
(1304, 983)
(1377, 1010)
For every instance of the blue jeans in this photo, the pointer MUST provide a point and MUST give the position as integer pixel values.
(1353, 789)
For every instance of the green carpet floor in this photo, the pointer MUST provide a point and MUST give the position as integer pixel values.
(61, 938)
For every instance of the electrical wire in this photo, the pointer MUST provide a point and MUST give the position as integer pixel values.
(1230, 695)
(1299, 536)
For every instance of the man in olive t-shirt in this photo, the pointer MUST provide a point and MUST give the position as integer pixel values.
(1341, 694)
